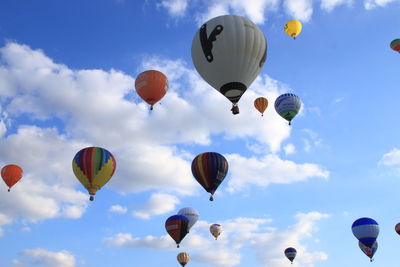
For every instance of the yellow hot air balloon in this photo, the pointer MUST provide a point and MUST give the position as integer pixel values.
(183, 258)
(293, 28)
(94, 167)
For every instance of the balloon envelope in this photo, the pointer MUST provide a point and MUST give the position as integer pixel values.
(183, 258)
(216, 230)
(366, 230)
(287, 106)
(93, 167)
(151, 86)
(397, 228)
(177, 227)
(293, 28)
(11, 174)
(209, 169)
(290, 253)
(261, 104)
(395, 45)
(369, 251)
(228, 52)
(191, 214)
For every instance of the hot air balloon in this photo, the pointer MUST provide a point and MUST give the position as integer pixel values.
(183, 258)
(11, 174)
(151, 86)
(228, 52)
(215, 230)
(191, 214)
(177, 227)
(292, 28)
(395, 45)
(369, 251)
(397, 228)
(94, 167)
(209, 169)
(366, 230)
(287, 106)
(290, 253)
(261, 104)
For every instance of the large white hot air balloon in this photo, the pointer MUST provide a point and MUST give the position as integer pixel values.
(191, 214)
(228, 52)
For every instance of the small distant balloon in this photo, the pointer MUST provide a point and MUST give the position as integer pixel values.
(191, 214)
(151, 86)
(369, 251)
(290, 253)
(11, 174)
(177, 227)
(395, 45)
(261, 104)
(397, 228)
(366, 230)
(216, 230)
(293, 28)
(287, 106)
(183, 258)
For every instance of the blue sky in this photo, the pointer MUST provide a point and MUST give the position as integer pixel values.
(67, 71)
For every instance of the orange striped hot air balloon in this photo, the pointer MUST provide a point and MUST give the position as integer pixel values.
(183, 258)
(93, 167)
(11, 174)
(261, 104)
(151, 86)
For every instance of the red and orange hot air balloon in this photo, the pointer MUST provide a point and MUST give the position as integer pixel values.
(395, 45)
(11, 174)
(151, 86)
(261, 104)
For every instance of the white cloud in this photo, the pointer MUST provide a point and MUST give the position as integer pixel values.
(176, 8)
(289, 149)
(371, 4)
(118, 209)
(312, 140)
(269, 169)
(299, 9)
(329, 5)
(158, 204)
(391, 158)
(267, 242)
(45, 258)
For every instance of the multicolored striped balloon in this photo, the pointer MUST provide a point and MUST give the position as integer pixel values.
(287, 106)
(177, 227)
(366, 230)
(395, 45)
(209, 169)
(290, 253)
(94, 167)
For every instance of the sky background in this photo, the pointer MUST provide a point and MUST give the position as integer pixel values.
(67, 71)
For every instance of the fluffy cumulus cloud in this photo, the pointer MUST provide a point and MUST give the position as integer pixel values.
(118, 209)
(267, 242)
(371, 4)
(50, 95)
(175, 7)
(299, 9)
(269, 169)
(158, 204)
(329, 5)
(391, 158)
(45, 258)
